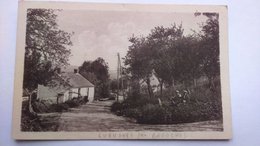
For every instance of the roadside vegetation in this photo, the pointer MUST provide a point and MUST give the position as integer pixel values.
(31, 122)
(178, 62)
(202, 105)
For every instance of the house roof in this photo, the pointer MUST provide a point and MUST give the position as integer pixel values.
(61, 83)
(76, 80)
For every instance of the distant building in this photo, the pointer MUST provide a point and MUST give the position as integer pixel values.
(66, 86)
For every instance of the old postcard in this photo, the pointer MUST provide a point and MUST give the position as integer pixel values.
(121, 71)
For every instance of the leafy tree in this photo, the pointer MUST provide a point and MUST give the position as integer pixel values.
(85, 67)
(139, 62)
(161, 42)
(165, 53)
(35, 72)
(100, 68)
(113, 85)
(173, 57)
(210, 47)
(45, 48)
(86, 71)
(97, 72)
(122, 84)
(187, 59)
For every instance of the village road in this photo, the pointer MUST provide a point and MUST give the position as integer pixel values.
(96, 116)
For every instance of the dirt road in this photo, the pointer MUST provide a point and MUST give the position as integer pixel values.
(97, 117)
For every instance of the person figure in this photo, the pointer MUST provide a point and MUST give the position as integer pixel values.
(186, 96)
(177, 98)
(185, 93)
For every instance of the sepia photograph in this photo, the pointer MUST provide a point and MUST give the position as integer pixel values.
(121, 71)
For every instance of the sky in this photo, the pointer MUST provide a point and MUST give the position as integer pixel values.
(105, 33)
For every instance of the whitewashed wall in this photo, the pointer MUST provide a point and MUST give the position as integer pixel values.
(91, 94)
(84, 91)
(66, 96)
(74, 92)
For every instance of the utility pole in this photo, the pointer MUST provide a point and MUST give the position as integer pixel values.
(122, 80)
(119, 76)
(118, 72)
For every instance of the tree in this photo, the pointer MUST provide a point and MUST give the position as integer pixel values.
(165, 53)
(187, 59)
(100, 68)
(161, 41)
(97, 72)
(122, 84)
(86, 71)
(139, 62)
(173, 57)
(45, 48)
(210, 47)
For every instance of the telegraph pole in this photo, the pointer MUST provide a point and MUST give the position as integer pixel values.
(119, 76)
(122, 80)
(118, 72)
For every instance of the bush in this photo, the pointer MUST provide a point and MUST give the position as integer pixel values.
(72, 103)
(48, 107)
(132, 113)
(61, 107)
(139, 100)
(85, 98)
(116, 107)
(30, 122)
(42, 107)
(39, 107)
(203, 104)
(152, 114)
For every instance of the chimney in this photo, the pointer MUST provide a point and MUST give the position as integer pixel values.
(58, 70)
(75, 71)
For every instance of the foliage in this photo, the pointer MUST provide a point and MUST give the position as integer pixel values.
(165, 53)
(114, 85)
(210, 47)
(173, 57)
(45, 48)
(116, 106)
(122, 84)
(97, 72)
(73, 103)
(129, 107)
(161, 41)
(29, 122)
(139, 61)
(49, 107)
(202, 105)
